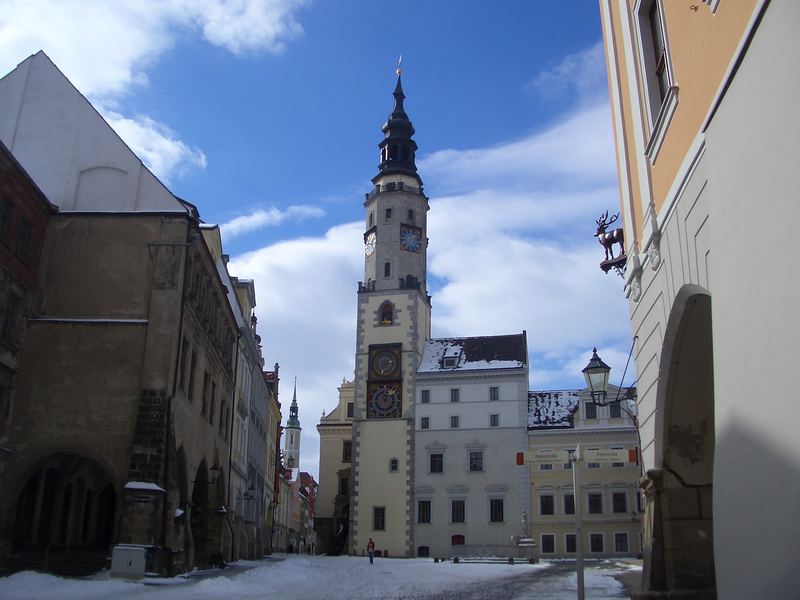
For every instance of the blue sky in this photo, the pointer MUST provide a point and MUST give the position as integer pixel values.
(266, 114)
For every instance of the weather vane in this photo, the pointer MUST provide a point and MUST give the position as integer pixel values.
(399, 69)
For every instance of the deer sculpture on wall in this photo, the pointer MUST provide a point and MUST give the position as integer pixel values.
(607, 240)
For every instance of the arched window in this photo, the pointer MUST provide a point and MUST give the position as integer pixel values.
(423, 551)
(371, 220)
(457, 540)
(387, 313)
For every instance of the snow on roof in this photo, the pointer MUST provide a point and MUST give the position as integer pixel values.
(474, 353)
(552, 409)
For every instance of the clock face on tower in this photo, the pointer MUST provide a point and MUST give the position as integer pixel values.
(385, 363)
(410, 238)
(384, 401)
(369, 244)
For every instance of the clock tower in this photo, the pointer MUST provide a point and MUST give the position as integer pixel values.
(393, 323)
(291, 447)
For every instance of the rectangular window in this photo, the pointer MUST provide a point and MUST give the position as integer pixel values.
(494, 394)
(596, 542)
(546, 504)
(378, 518)
(569, 504)
(548, 543)
(620, 542)
(545, 466)
(411, 215)
(457, 511)
(496, 510)
(593, 465)
(206, 382)
(590, 410)
(5, 219)
(570, 543)
(437, 463)
(454, 422)
(388, 213)
(184, 363)
(494, 420)
(344, 486)
(619, 502)
(454, 395)
(423, 511)
(23, 237)
(211, 400)
(595, 503)
(425, 397)
(347, 451)
(476, 460)
(425, 423)
(387, 269)
(11, 317)
(614, 411)
(192, 366)
(350, 410)
(659, 49)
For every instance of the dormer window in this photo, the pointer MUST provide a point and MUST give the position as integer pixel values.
(450, 362)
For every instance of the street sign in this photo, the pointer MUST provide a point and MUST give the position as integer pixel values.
(610, 455)
(542, 456)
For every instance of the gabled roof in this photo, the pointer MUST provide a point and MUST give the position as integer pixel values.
(552, 409)
(475, 353)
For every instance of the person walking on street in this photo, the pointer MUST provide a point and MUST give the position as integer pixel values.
(371, 550)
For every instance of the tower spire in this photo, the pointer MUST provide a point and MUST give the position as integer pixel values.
(294, 420)
(397, 148)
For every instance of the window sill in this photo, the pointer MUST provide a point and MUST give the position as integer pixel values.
(661, 124)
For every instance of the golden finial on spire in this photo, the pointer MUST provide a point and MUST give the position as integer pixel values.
(399, 69)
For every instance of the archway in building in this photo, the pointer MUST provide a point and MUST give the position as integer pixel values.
(683, 549)
(198, 522)
(68, 502)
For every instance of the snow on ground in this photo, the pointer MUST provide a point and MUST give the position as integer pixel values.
(309, 578)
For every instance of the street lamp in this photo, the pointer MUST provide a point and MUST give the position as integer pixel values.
(596, 375)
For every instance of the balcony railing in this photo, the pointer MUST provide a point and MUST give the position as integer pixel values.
(394, 186)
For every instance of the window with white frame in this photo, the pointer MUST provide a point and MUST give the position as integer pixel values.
(545, 466)
(457, 511)
(596, 543)
(621, 542)
(590, 410)
(494, 420)
(619, 502)
(454, 422)
(570, 543)
(455, 395)
(494, 393)
(595, 503)
(546, 503)
(548, 543)
(614, 410)
(496, 510)
(425, 397)
(436, 461)
(423, 511)
(476, 460)
(424, 422)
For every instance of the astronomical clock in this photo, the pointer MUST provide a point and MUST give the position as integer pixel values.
(384, 387)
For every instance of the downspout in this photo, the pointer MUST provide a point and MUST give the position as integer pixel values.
(178, 358)
(230, 437)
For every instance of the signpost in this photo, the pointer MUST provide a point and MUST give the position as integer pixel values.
(604, 455)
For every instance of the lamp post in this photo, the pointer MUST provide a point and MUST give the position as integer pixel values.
(596, 375)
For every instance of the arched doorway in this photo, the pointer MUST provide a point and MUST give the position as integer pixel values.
(681, 517)
(68, 502)
(199, 516)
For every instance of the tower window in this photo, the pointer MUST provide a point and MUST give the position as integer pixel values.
(388, 214)
(411, 215)
(387, 269)
(387, 312)
(371, 220)
(392, 152)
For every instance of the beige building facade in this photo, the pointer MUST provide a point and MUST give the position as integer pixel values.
(705, 122)
(610, 501)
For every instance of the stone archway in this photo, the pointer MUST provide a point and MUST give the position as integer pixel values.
(680, 489)
(68, 503)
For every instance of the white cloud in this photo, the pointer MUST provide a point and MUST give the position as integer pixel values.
(156, 145)
(267, 218)
(106, 48)
(580, 77)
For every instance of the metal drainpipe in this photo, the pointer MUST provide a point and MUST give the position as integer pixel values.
(233, 420)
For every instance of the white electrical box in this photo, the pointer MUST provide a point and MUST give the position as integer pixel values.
(128, 561)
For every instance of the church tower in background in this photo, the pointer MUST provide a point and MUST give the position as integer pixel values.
(394, 313)
(292, 435)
